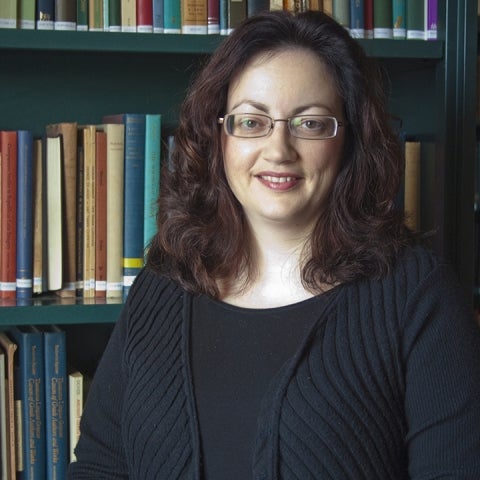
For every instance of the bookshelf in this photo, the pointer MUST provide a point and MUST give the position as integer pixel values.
(50, 76)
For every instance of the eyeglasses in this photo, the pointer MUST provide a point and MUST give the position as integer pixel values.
(254, 125)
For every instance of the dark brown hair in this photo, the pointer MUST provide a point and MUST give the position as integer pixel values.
(203, 236)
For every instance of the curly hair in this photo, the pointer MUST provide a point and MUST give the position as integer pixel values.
(202, 233)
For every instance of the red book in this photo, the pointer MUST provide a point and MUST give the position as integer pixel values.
(8, 214)
(101, 214)
(144, 16)
(368, 18)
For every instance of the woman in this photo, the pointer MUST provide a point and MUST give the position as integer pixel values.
(287, 325)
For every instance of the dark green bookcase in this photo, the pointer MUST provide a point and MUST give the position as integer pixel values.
(80, 76)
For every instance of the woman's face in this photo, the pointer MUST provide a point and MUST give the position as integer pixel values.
(280, 178)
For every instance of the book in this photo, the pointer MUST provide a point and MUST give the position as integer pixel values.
(128, 15)
(114, 16)
(8, 214)
(172, 18)
(237, 12)
(357, 18)
(158, 12)
(382, 19)
(45, 14)
(194, 16)
(399, 12)
(213, 17)
(223, 12)
(368, 18)
(101, 219)
(152, 175)
(82, 15)
(133, 194)
(24, 261)
(115, 174)
(341, 12)
(38, 209)
(258, 6)
(144, 16)
(9, 348)
(328, 7)
(54, 213)
(80, 216)
(432, 20)
(67, 131)
(415, 23)
(56, 403)
(95, 15)
(88, 139)
(30, 392)
(65, 15)
(8, 14)
(26, 14)
(412, 184)
(75, 409)
(316, 5)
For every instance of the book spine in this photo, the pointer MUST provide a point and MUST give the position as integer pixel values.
(56, 403)
(129, 15)
(75, 410)
(224, 7)
(8, 214)
(237, 12)
(30, 392)
(158, 12)
(415, 23)
(357, 18)
(412, 184)
(45, 14)
(341, 12)
(82, 15)
(65, 15)
(172, 16)
(38, 209)
(134, 182)
(194, 16)
(101, 214)
(26, 14)
(399, 12)
(8, 14)
(24, 279)
(213, 17)
(144, 16)
(152, 175)
(382, 19)
(95, 15)
(114, 16)
(432, 19)
(368, 18)
(80, 217)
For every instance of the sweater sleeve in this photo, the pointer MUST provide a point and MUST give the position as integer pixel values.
(100, 451)
(441, 354)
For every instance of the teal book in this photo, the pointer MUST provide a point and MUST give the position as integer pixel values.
(133, 193)
(24, 214)
(56, 403)
(341, 12)
(30, 393)
(172, 18)
(399, 11)
(82, 15)
(382, 19)
(152, 175)
(415, 23)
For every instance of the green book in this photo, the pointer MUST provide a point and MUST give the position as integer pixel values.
(114, 16)
(26, 14)
(382, 19)
(415, 20)
(82, 15)
(8, 14)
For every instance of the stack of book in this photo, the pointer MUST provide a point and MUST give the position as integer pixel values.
(41, 403)
(410, 19)
(78, 206)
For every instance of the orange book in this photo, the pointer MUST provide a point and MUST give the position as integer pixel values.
(100, 214)
(8, 214)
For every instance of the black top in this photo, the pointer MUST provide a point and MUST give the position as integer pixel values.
(236, 352)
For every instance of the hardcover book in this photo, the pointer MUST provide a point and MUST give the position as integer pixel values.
(412, 184)
(158, 13)
(38, 212)
(172, 16)
(26, 14)
(8, 14)
(415, 23)
(30, 392)
(129, 15)
(82, 15)
(114, 16)
(25, 172)
(382, 19)
(95, 15)
(341, 12)
(65, 15)
(357, 18)
(8, 214)
(399, 10)
(101, 220)
(194, 16)
(144, 16)
(45, 14)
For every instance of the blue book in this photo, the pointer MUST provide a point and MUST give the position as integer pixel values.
(172, 20)
(158, 14)
(357, 18)
(56, 403)
(45, 14)
(30, 392)
(133, 199)
(24, 214)
(152, 175)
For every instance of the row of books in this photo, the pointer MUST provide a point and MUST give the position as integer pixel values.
(41, 403)
(78, 206)
(398, 19)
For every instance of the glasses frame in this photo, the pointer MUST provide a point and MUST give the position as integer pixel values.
(223, 121)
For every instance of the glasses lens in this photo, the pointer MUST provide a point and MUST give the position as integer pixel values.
(313, 126)
(247, 125)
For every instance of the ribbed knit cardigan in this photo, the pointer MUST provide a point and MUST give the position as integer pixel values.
(385, 386)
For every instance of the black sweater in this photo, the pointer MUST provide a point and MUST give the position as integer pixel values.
(386, 385)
